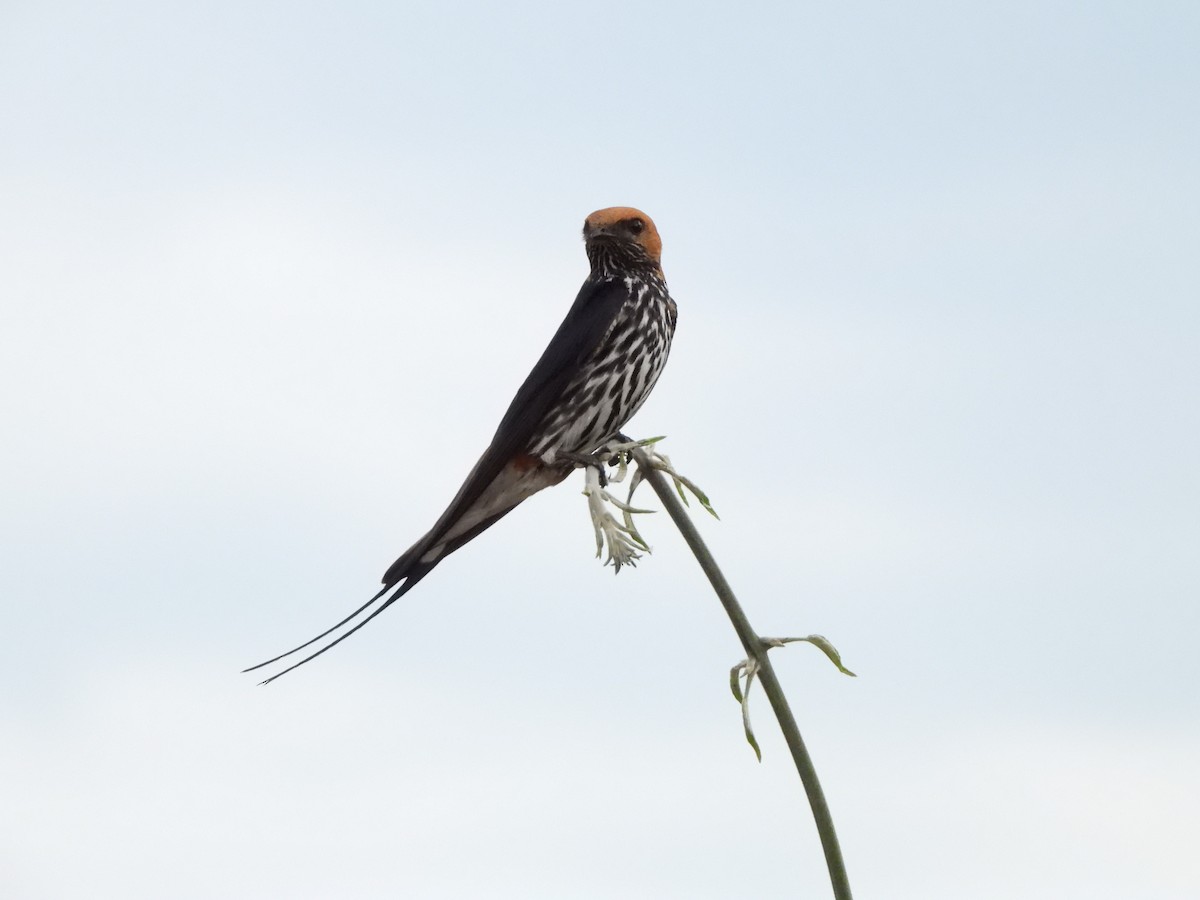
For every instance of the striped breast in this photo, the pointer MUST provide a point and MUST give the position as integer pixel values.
(614, 382)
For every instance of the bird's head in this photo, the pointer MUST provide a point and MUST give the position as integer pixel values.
(622, 238)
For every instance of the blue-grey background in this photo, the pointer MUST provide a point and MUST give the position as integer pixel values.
(269, 275)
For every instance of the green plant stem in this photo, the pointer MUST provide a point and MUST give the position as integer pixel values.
(757, 650)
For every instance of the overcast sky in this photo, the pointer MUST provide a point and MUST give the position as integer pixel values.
(270, 274)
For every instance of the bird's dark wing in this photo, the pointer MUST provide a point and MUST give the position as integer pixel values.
(581, 332)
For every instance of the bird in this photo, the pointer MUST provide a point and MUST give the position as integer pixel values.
(595, 373)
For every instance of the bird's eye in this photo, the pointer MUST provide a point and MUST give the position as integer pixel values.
(637, 226)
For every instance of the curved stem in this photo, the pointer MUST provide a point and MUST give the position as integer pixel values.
(756, 650)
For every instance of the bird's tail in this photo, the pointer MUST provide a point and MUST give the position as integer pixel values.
(415, 572)
(416, 562)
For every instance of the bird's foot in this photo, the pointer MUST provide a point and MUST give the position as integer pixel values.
(618, 453)
(624, 541)
(615, 453)
(593, 462)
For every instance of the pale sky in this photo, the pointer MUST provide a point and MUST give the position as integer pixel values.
(270, 276)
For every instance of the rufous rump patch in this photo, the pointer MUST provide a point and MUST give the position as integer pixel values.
(525, 462)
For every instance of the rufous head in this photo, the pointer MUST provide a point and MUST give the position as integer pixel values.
(625, 224)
